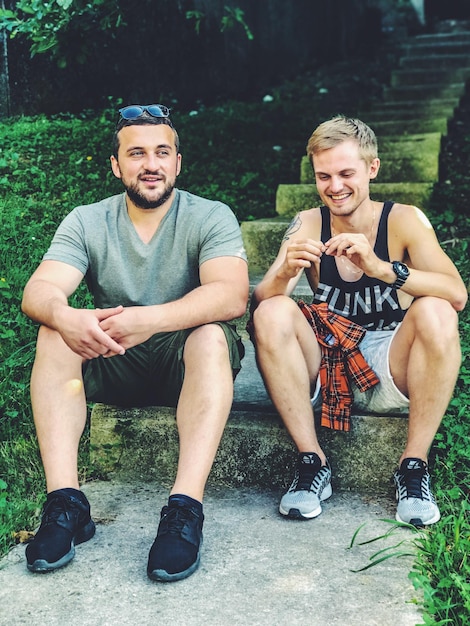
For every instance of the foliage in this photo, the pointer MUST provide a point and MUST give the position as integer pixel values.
(442, 567)
(231, 18)
(47, 24)
(390, 551)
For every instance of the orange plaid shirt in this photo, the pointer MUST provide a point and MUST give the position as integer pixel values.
(342, 362)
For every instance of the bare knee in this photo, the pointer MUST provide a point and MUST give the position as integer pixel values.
(273, 318)
(435, 321)
(50, 342)
(51, 347)
(206, 342)
(434, 316)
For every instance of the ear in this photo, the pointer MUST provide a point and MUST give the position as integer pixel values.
(374, 168)
(115, 167)
(178, 163)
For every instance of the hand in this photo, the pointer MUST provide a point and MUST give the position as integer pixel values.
(301, 254)
(81, 331)
(355, 247)
(130, 327)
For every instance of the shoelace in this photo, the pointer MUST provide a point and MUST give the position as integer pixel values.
(412, 481)
(176, 518)
(54, 509)
(307, 478)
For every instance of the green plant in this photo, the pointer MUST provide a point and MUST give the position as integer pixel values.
(442, 567)
(44, 23)
(47, 24)
(403, 548)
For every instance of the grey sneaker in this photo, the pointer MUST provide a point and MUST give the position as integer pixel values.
(415, 502)
(311, 485)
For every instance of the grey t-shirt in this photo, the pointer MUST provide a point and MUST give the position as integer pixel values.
(100, 240)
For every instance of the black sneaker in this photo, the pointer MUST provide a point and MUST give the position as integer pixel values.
(175, 552)
(415, 502)
(65, 523)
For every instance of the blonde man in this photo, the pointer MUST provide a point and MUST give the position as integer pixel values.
(378, 272)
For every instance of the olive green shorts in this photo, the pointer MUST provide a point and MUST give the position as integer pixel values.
(151, 373)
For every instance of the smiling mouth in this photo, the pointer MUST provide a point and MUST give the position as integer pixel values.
(150, 179)
(340, 196)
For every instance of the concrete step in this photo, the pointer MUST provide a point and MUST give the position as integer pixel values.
(255, 451)
(262, 239)
(290, 199)
(404, 127)
(420, 104)
(433, 90)
(406, 116)
(302, 291)
(435, 61)
(428, 47)
(436, 38)
(427, 76)
(411, 158)
(408, 110)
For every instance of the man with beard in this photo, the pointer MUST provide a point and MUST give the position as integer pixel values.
(168, 272)
(381, 333)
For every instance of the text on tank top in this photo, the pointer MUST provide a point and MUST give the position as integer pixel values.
(368, 301)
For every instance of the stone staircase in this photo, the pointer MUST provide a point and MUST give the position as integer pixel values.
(410, 121)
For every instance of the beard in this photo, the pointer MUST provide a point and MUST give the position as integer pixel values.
(142, 202)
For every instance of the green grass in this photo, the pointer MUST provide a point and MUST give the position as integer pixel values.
(47, 166)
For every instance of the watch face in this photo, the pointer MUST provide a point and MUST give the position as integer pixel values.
(400, 269)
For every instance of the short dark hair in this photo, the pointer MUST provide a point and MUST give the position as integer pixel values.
(143, 120)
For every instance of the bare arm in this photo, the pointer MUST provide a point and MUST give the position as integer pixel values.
(45, 300)
(300, 249)
(412, 240)
(222, 296)
(432, 273)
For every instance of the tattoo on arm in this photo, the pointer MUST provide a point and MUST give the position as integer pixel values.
(293, 227)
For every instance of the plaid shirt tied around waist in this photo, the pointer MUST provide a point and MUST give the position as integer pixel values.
(341, 363)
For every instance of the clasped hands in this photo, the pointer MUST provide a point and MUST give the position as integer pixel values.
(103, 332)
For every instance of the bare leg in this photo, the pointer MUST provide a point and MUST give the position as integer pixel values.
(425, 359)
(289, 359)
(59, 408)
(203, 407)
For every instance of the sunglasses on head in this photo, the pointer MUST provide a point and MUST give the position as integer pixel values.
(135, 111)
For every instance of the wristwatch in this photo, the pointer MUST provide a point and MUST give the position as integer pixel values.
(402, 271)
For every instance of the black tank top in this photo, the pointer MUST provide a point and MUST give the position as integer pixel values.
(368, 301)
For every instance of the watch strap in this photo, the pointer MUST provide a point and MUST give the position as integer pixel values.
(400, 281)
(400, 275)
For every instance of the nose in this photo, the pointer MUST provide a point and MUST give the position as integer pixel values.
(336, 184)
(151, 162)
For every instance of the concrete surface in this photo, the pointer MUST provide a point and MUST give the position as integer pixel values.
(257, 568)
(255, 451)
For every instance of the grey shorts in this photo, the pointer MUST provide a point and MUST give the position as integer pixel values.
(151, 373)
(385, 397)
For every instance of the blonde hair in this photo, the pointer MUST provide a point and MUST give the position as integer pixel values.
(333, 132)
